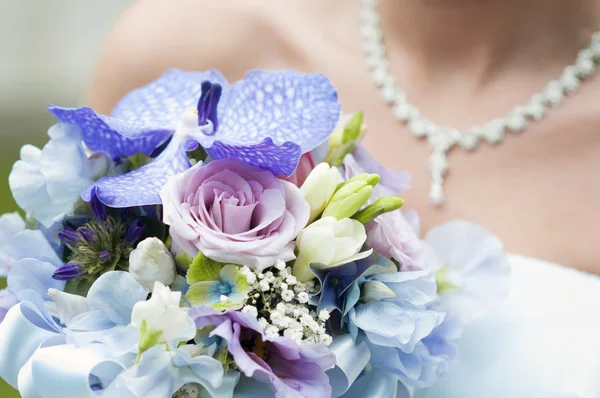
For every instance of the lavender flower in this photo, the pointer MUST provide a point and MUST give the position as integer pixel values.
(67, 272)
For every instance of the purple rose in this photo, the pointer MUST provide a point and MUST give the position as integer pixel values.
(290, 369)
(392, 236)
(233, 212)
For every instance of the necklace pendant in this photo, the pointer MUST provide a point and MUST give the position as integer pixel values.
(438, 166)
(436, 194)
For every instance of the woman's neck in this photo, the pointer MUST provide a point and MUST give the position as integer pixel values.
(485, 36)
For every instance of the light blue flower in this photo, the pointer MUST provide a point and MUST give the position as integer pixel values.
(28, 261)
(11, 224)
(375, 383)
(110, 301)
(160, 373)
(35, 323)
(431, 357)
(472, 271)
(46, 183)
(385, 308)
(269, 119)
(228, 292)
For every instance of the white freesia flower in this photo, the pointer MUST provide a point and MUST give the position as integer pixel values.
(319, 188)
(66, 306)
(162, 313)
(151, 262)
(329, 242)
(47, 182)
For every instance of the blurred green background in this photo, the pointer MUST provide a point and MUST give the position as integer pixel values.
(47, 54)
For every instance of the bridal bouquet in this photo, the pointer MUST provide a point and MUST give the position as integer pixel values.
(228, 240)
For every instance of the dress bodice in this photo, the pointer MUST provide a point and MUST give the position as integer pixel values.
(542, 342)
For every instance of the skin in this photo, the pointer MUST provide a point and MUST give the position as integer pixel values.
(462, 62)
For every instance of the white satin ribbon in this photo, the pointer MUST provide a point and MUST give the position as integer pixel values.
(35, 359)
(350, 362)
(22, 332)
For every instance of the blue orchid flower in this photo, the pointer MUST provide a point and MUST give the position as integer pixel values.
(269, 120)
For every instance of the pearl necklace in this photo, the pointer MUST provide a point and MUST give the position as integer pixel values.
(442, 139)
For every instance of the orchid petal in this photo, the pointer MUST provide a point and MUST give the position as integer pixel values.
(115, 137)
(142, 186)
(271, 118)
(164, 100)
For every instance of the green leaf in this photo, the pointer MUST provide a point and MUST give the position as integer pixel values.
(137, 160)
(79, 286)
(203, 269)
(222, 355)
(183, 260)
(197, 155)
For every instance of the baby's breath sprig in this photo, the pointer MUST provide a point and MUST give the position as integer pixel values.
(281, 304)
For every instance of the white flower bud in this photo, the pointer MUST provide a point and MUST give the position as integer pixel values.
(264, 285)
(324, 315)
(251, 277)
(250, 309)
(319, 188)
(151, 262)
(287, 295)
(263, 322)
(271, 332)
(329, 242)
(303, 297)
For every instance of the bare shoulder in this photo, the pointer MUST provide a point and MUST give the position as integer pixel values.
(155, 35)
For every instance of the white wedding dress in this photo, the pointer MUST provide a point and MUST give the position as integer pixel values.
(542, 342)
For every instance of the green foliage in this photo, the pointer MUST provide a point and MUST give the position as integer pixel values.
(137, 160)
(203, 269)
(381, 206)
(183, 260)
(197, 155)
(344, 141)
(154, 228)
(148, 338)
(79, 286)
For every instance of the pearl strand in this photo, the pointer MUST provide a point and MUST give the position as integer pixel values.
(442, 139)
